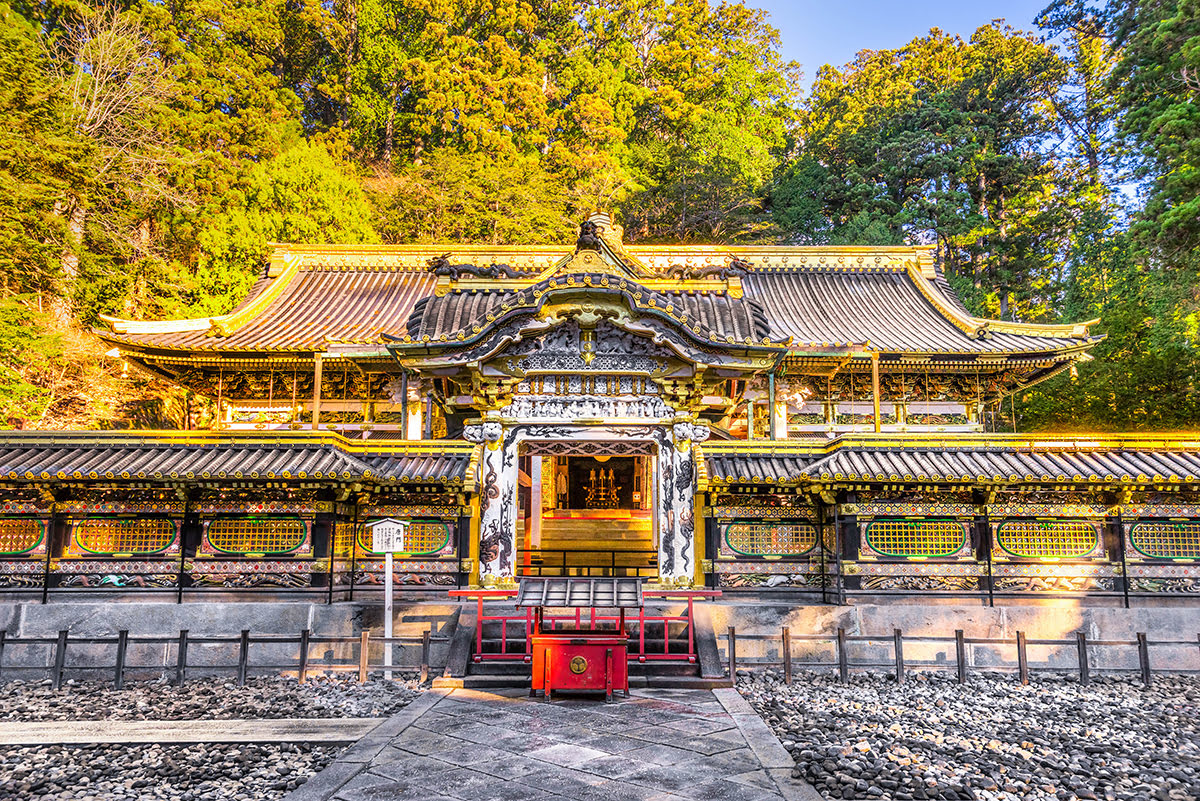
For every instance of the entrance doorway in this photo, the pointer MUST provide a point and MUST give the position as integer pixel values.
(586, 510)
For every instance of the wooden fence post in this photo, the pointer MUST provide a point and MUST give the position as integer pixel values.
(787, 655)
(898, 650)
(843, 657)
(60, 659)
(119, 670)
(732, 647)
(1144, 657)
(363, 650)
(1085, 675)
(1022, 658)
(960, 655)
(181, 658)
(243, 657)
(302, 667)
(425, 655)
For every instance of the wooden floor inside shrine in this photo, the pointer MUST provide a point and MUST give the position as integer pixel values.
(590, 542)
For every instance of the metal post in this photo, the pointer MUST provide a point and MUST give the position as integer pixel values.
(960, 654)
(898, 650)
(119, 670)
(318, 368)
(403, 404)
(771, 416)
(787, 655)
(302, 667)
(243, 657)
(181, 658)
(732, 656)
(333, 524)
(387, 617)
(425, 656)
(1022, 658)
(1124, 566)
(875, 390)
(1144, 657)
(182, 553)
(842, 657)
(364, 649)
(1084, 669)
(60, 658)
(46, 561)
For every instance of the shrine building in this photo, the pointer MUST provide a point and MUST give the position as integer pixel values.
(803, 421)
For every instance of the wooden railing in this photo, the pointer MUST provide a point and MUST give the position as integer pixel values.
(841, 645)
(179, 646)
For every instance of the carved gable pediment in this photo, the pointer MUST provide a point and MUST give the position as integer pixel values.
(570, 347)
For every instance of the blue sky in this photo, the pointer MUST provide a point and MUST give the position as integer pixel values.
(816, 32)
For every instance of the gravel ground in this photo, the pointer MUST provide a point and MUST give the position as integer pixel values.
(204, 699)
(158, 773)
(186, 772)
(992, 739)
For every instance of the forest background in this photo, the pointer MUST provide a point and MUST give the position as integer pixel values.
(151, 150)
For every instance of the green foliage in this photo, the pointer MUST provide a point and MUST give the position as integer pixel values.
(1157, 84)
(301, 196)
(26, 351)
(474, 197)
(39, 160)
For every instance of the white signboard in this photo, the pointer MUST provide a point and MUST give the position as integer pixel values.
(387, 535)
(387, 538)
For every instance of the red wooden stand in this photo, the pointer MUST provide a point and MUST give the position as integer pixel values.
(584, 661)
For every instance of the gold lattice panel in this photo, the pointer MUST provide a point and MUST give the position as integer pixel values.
(145, 535)
(1047, 539)
(770, 539)
(1167, 540)
(343, 540)
(19, 536)
(251, 535)
(916, 538)
(422, 538)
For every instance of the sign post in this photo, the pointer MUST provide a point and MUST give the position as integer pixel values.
(387, 537)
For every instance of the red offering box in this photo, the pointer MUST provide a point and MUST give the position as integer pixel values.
(584, 661)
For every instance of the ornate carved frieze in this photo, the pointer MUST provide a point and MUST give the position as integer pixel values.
(571, 347)
(588, 407)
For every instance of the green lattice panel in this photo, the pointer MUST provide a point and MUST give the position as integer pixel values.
(124, 535)
(1167, 540)
(20, 536)
(423, 538)
(1047, 539)
(923, 539)
(770, 539)
(256, 535)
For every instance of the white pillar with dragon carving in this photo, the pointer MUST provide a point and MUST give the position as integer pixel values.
(676, 504)
(497, 504)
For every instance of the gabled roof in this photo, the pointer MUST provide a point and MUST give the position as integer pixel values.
(180, 456)
(713, 317)
(996, 459)
(826, 299)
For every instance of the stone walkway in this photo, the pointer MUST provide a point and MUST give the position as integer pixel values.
(657, 745)
(281, 730)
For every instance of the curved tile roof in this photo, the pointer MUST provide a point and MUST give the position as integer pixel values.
(318, 307)
(137, 458)
(884, 310)
(853, 461)
(710, 316)
(862, 299)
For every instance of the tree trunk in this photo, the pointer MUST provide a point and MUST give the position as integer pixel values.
(389, 130)
(62, 303)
